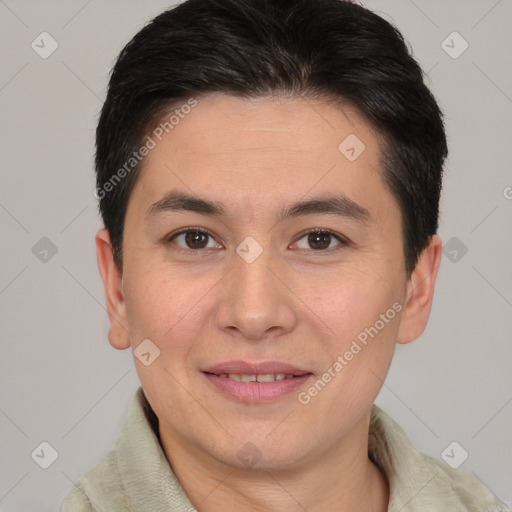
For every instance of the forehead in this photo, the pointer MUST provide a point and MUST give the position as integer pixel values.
(223, 123)
(264, 150)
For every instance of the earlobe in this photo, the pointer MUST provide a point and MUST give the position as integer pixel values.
(112, 283)
(420, 292)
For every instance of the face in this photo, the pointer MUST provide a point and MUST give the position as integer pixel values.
(317, 292)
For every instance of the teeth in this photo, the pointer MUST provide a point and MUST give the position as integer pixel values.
(268, 377)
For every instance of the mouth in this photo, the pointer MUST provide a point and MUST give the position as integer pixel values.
(245, 377)
(239, 367)
(256, 382)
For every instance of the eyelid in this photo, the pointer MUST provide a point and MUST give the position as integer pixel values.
(171, 236)
(344, 241)
(186, 230)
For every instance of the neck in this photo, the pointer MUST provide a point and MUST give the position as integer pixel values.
(341, 479)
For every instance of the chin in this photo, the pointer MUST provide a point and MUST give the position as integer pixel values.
(259, 453)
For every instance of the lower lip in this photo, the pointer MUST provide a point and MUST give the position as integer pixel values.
(257, 391)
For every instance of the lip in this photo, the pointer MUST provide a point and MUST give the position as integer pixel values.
(261, 368)
(254, 392)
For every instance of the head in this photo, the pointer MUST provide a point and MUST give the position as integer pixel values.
(268, 116)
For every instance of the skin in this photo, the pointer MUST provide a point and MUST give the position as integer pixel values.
(289, 304)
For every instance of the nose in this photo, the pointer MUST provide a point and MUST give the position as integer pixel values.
(256, 303)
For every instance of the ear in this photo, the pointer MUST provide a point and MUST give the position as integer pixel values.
(420, 292)
(112, 282)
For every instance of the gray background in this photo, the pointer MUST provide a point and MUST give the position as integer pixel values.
(60, 380)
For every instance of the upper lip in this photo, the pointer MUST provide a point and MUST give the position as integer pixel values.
(261, 368)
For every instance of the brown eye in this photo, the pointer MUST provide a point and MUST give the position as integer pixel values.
(196, 239)
(320, 240)
(192, 239)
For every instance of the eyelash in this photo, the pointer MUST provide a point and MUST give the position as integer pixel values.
(343, 241)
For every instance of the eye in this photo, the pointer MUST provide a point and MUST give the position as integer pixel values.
(195, 239)
(192, 238)
(320, 239)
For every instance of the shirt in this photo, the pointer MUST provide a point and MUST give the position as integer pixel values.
(136, 476)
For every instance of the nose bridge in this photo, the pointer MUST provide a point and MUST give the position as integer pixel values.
(255, 300)
(251, 272)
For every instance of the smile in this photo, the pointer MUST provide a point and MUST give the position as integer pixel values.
(256, 388)
(266, 377)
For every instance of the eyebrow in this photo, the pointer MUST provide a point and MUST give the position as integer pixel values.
(336, 204)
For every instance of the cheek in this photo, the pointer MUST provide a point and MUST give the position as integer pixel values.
(363, 317)
(162, 308)
(354, 302)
